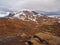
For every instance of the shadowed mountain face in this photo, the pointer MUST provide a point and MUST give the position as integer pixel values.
(30, 23)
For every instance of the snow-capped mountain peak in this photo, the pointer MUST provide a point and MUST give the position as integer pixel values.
(26, 15)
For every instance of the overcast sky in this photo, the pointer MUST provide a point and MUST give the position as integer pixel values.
(45, 5)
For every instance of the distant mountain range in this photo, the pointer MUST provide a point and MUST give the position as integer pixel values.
(48, 13)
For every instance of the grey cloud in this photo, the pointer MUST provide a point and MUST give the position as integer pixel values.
(47, 5)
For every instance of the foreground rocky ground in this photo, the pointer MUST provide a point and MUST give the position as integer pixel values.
(42, 38)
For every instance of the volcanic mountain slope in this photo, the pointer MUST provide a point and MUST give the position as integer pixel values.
(28, 22)
(14, 27)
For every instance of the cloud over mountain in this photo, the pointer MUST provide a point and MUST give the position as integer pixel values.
(47, 5)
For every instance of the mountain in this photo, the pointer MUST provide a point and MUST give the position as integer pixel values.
(26, 15)
(29, 27)
(34, 20)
